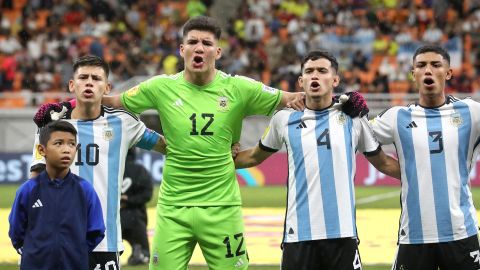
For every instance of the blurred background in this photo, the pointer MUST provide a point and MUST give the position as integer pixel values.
(373, 40)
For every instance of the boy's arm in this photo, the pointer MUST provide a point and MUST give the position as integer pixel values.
(385, 164)
(18, 220)
(251, 157)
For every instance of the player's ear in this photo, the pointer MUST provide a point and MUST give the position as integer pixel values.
(449, 74)
(219, 53)
(108, 88)
(71, 87)
(300, 81)
(41, 150)
(336, 80)
(182, 48)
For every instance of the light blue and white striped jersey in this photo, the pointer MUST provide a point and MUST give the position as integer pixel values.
(321, 149)
(436, 148)
(103, 144)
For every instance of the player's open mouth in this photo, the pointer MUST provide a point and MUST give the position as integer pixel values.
(428, 81)
(314, 85)
(197, 62)
(88, 93)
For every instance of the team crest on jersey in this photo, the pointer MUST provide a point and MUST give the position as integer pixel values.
(341, 119)
(133, 91)
(107, 133)
(456, 120)
(223, 104)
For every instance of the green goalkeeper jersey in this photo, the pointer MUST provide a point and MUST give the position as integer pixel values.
(200, 123)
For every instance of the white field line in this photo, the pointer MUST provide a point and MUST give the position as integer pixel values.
(378, 197)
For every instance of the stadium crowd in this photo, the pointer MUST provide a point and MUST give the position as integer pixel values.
(265, 39)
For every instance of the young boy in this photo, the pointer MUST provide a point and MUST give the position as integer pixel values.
(56, 218)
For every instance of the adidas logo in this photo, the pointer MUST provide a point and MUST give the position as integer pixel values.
(301, 125)
(37, 204)
(412, 125)
(178, 103)
(239, 263)
(290, 231)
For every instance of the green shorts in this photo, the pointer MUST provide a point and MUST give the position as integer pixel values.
(218, 230)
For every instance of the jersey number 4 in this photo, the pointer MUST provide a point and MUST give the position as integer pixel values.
(204, 131)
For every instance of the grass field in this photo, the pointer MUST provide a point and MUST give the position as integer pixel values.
(256, 197)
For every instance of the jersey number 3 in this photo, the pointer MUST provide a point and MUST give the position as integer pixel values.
(204, 131)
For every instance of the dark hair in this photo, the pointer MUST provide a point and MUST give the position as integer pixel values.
(91, 60)
(51, 127)
(202, 23)
(315, 55)
(432, 48)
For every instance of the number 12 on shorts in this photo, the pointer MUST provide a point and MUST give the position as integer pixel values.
(238, 239)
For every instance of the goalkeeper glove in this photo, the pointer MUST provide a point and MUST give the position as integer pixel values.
(353, 104)
(52, 111)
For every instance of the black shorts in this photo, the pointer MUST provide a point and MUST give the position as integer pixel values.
(461, 254)
(104, 261)
(334, 254)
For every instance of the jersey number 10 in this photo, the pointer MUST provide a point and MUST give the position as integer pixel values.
(91, 154)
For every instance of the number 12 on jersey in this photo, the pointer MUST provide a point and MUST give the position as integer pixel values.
(204, 131)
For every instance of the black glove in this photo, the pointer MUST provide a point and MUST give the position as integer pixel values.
(353, 104)
(52, 111)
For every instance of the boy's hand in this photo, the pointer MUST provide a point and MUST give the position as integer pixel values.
(52, 111)
(353, 104)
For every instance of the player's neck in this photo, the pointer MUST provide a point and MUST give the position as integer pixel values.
(200, 78)
(86, 112)
(56, 173)
(432, 101)
(319, 103)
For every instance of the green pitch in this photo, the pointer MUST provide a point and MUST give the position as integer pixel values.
(275, 197)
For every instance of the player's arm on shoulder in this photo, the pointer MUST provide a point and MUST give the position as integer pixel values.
(113, 101)
(252, 156)
(294, 100)
(384, 163)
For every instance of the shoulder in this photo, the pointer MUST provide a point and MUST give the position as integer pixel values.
(393, 110)
(86, 186)
(456, 101)
(163, 78)
(119, 112)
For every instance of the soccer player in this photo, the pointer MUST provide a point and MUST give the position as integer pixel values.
(201, 111)
(436, 141)
(104, 136)
(56, 218)
(320, 229)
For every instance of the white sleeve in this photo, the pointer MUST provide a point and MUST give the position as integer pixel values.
(36, 157)
(367, 143)
(384, 126)
(272, 138)
(134, 128)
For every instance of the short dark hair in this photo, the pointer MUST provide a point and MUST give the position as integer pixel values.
(315, 55)
(60, 125)
(202, 23)
(432, 48)
(91, 60)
